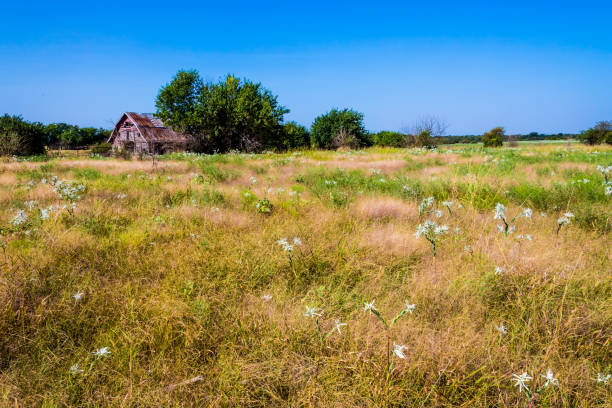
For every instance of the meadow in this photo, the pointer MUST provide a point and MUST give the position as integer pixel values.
(379, 277)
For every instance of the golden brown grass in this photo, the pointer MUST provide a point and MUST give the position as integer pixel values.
(173, 276)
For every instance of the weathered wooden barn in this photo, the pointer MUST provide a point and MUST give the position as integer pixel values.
(145, 133)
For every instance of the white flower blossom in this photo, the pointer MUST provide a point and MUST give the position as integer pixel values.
(500, 211)
(337, 325)
(20, 218)
(502, 329)
(409, 307)
(520, 380)
(74, 369)
(312, 312)
(398, 350)
(267, 297)
(602, 379)
(499, 270)
(369, 306)
(102, 352)
(77, 296)
(550, 379)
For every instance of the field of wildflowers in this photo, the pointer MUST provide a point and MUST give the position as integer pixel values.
(384, 277)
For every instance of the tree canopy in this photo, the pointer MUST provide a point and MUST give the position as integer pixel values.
(19, 137)
(600, 133)
(345, 122)
(231, 114)
(494, 137)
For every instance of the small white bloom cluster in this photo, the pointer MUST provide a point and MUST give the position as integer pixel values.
(500, 211)
(430, 229)
(526, 237)
(20, 218)
(605, 170)
(398, 350)
(331, 182)
(286, 245)
(521, 380)
(566, 219)
(425, 204)
(313, 312)
(68, 191)
(101, 352)
(602, 379)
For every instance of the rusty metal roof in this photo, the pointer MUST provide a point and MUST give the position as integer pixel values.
(151, 128)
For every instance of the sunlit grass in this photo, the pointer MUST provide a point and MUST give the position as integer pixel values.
(168, 286)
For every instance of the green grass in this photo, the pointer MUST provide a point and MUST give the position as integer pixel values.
(174, 262)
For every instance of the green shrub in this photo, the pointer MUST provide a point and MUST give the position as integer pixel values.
(20, 138)
(388, 138)
(326, 127)
(494, 137)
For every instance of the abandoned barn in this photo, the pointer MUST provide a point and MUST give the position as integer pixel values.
(145, 133)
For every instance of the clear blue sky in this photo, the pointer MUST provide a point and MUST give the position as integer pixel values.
(527, 65)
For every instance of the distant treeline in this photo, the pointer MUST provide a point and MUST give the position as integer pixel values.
(20, 137)
(518, 137)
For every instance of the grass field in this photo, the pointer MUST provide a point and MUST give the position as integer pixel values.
(241, 280)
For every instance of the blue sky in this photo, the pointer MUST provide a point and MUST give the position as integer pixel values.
(529, 66)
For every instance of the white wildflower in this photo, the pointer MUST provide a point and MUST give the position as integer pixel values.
(499, 270)
(74, 369)
(312, 312)
(550, 378)
(102, 352)
(409, 307)
(19, 218)
(267, 297)
(44, 214)
(438, 213)
(77, 296)
(520, 380)
(527, 212)
(398, 350)
(500, 211)
(337, 325)
(502, 329)
(369, 306)
(602, 379)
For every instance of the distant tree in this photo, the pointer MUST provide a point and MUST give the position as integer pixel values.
(294, 136)
(426, 132)
(19, 137)
(228, 115)
(425, 139)
(494, 137)
(597, 134)
(389, 138)
(346, 123)
(433, 125)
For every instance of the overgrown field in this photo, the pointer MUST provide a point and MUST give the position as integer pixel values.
(300, 280)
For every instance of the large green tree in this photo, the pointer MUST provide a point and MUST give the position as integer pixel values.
(231, 114)
(345, 123)
(19, 137)
(600, 133)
